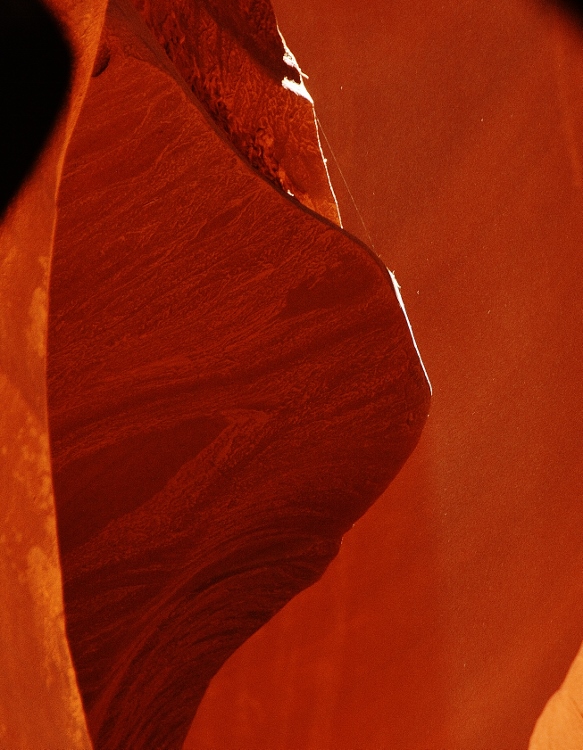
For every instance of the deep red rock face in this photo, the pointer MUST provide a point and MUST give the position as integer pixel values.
(232, 382)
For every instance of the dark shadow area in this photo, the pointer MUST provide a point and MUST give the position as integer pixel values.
(35, 70)
(573, 8)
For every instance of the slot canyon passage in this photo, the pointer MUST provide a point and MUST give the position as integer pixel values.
(251, 365)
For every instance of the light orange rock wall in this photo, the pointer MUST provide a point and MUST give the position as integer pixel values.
(39, 701)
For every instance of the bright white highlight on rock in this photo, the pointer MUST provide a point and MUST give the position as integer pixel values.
(287, 83)
(300, 90)
(297, 88)
(400, 300)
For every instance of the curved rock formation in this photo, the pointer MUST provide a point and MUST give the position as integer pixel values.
(231, 383)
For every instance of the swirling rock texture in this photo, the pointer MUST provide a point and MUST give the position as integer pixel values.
(455, 605)
(232, 381)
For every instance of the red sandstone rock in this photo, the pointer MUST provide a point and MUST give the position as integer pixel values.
(232, 382)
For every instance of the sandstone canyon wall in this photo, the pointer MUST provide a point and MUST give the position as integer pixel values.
(231, 382)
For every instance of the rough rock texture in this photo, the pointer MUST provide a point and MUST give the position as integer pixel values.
(232, 56)
(456, 604)
(232, 382)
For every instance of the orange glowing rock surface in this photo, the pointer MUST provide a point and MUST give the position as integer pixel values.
(560, 726)
(232, 382)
